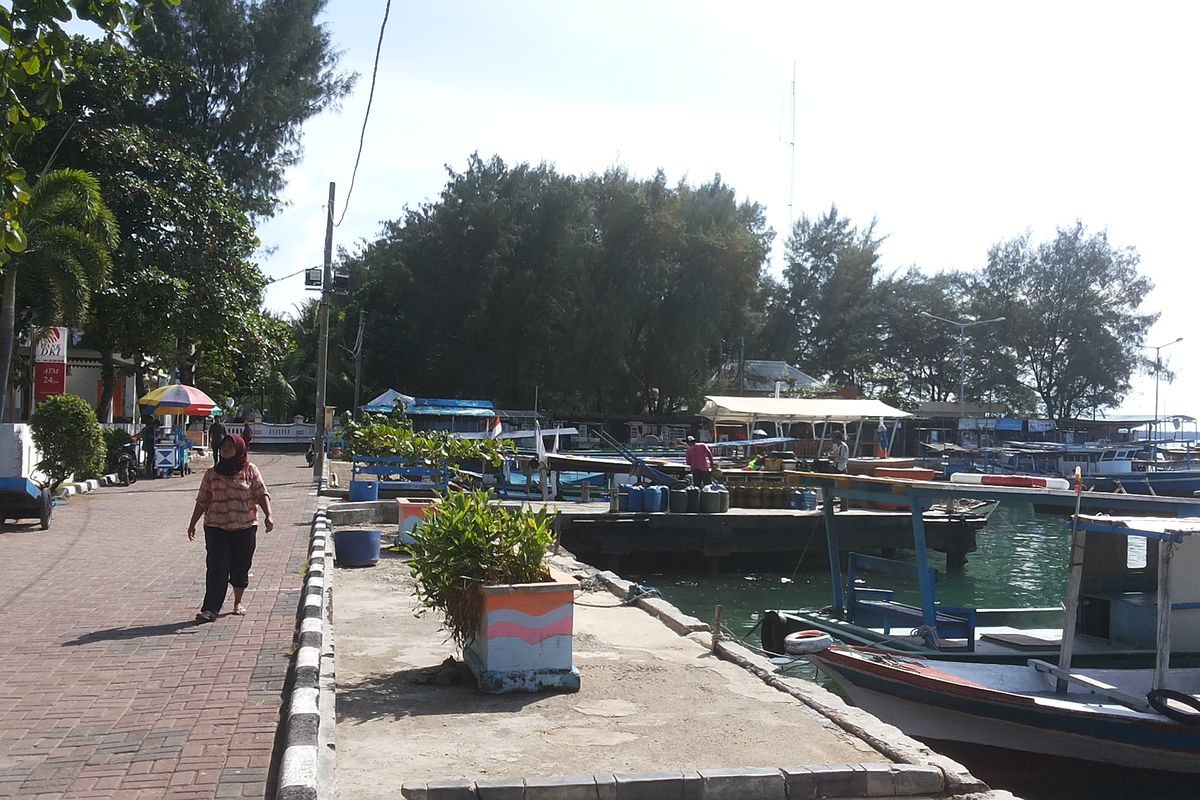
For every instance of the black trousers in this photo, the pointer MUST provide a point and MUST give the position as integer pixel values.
(229, 554)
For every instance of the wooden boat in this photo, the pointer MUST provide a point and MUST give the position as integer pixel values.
(1017, 707)
(1115, 627)
(1139, 718)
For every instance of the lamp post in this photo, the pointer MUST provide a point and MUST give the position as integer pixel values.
(1157, 369)
(962, 326)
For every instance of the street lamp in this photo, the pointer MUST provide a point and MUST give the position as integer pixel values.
(1157, 368)
(962, 326)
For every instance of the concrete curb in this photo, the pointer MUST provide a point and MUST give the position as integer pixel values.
(83, 487)
(298, 768)
(839, 780)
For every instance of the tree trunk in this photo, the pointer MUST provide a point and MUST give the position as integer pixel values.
(8, 319)
(108, 378)
(139, 384)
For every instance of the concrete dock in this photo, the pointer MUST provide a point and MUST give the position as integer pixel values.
(659, 713)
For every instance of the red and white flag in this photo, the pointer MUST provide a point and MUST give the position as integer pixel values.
(494, 433)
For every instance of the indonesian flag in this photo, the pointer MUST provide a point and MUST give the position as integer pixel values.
(494, 433)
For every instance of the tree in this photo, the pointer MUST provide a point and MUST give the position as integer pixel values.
(260, 69)
(71, 234)
(37, 64)
(600, 291)
(1073, 325)
(830, 272)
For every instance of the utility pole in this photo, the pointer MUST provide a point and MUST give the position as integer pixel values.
(323, 340)
(358, 349)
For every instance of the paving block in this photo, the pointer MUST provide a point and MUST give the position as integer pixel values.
(761, 783)
(560, 787)
(449, 790)
(606, 787)
(650, 785)
(911, 779)
(839, 780)
(800, 782)
(496, 789)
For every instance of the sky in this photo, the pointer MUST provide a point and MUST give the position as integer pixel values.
(954, 125)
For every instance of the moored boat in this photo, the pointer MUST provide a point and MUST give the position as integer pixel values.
(1139, 718)
(1116, 621)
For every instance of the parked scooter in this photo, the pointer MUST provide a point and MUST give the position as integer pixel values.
(127, 464)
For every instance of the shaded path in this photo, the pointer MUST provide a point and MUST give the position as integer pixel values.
(107, 686)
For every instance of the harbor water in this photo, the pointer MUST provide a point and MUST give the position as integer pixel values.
(1020, 562)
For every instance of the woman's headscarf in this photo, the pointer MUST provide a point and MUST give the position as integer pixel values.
(235, 464)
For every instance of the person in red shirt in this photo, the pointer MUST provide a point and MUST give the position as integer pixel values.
(700, 459)
(229, 498)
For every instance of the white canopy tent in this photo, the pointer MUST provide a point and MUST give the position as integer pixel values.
(724, 410)
(823, 411)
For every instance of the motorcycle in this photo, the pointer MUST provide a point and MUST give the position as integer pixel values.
(127, 464)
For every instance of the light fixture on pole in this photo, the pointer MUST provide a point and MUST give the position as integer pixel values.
(962, 326)
(1157, 369)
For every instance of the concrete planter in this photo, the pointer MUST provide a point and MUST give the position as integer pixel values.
(411, 513)
(524, 640)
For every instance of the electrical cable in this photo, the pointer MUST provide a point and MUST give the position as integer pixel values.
(370, 96)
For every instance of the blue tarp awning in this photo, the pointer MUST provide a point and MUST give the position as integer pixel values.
(429, 406)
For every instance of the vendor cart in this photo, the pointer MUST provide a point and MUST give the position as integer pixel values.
(22, 498)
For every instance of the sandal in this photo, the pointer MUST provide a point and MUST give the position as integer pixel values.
(240, 610)
(206, 616)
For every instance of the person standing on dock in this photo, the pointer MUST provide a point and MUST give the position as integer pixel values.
(839, 453)
(700, 459)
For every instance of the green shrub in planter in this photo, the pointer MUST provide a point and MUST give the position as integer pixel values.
(467, 542)
(69, 437)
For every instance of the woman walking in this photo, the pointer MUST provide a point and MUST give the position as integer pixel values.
(229, 498)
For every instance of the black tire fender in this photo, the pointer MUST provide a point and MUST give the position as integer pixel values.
(1157, 698)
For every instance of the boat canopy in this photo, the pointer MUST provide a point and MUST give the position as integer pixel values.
(723, 409)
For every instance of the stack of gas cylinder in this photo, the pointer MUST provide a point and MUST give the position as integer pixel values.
(713, 499)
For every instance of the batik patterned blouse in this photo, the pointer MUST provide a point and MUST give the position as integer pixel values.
(231, 503)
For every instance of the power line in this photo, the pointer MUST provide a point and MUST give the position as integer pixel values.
(370, 96)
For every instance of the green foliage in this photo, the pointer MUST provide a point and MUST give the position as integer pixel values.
(468, 542)
(114, 440)
(1073, 328)
(69, 437)
(71, 234)
(831, 299)
(259, 69)
(381, 435)
(606, 292)
(37, 64)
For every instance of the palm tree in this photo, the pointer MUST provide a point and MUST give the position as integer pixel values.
(70, 238)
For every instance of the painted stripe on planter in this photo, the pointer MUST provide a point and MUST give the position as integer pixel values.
(311, 639)
(308, 657)
(510, 630)
(502, 615)
(299, 766)
(310, 624)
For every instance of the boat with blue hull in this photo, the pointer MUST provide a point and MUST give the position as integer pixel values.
(1145, 718)
(1114, 625)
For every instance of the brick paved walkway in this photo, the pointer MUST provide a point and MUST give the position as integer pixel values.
(107, 686)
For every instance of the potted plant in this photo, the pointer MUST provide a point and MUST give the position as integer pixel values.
(484, 567)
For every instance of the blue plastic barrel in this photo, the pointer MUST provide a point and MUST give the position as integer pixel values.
(364, 491)
(355, 548)
(623, 497)
(637, 499)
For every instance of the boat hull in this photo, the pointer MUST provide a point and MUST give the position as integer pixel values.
(924, 707)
